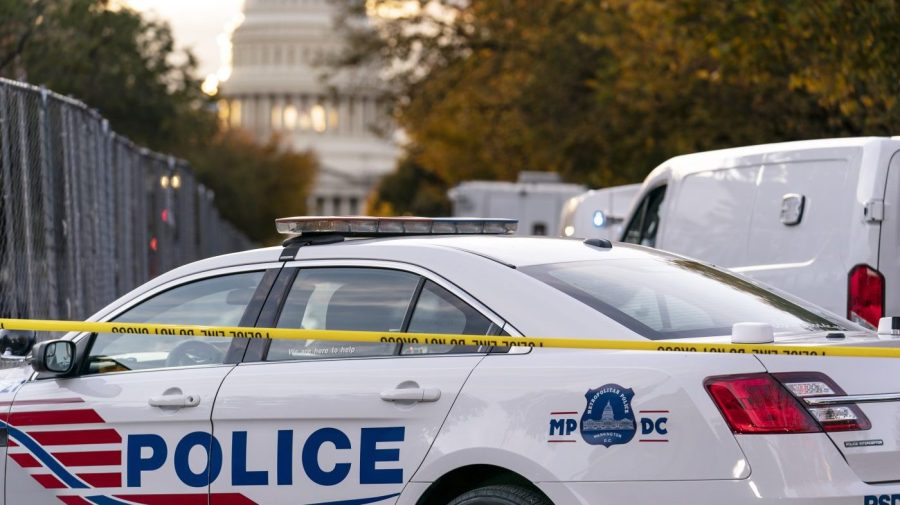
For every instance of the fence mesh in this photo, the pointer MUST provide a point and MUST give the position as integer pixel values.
(85, 215)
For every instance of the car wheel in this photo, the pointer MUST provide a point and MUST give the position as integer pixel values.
(501, 495)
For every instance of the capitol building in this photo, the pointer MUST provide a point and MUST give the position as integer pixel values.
(607, 422)
(281, 85)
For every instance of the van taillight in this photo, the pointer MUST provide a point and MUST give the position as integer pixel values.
(865, 296)
(757, 403)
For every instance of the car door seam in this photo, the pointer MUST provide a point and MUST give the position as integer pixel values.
(441, 426)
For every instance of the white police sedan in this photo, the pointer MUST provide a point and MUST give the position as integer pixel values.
(179, 420)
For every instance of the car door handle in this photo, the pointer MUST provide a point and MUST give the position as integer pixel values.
(174, 401)
(412, 395)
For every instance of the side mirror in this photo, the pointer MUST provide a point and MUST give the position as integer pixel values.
(54, 356)
(16, 344)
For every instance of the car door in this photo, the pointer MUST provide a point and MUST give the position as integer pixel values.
(345, 423)
(135, 421)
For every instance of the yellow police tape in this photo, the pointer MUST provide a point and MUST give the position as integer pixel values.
(442, 339)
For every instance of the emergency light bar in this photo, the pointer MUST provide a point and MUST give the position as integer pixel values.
(364, 226)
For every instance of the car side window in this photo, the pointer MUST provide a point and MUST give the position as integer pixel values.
(439, 311)
(644, 225)
(365, 299)
(216, 301)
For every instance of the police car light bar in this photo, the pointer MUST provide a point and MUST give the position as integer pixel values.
(364, 226)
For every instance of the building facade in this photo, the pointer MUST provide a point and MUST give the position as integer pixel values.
(282, 85)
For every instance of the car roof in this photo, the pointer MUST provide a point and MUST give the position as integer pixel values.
(737, 156)
(478, 265)
(511, 251)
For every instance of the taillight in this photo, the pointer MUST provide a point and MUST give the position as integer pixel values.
(865, 296)
(777, 403)
(757, 403)
(818, 386)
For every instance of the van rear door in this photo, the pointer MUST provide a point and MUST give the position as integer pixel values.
(888, 257)
(804, 248)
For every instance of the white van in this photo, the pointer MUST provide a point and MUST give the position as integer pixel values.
(819, 219)
(598, 213)
(535, 200)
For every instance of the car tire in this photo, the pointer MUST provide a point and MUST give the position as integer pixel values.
(501, 495)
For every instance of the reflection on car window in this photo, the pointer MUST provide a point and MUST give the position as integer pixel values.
(668, 298)
(218, 301)
(366, 299)
(438, 311)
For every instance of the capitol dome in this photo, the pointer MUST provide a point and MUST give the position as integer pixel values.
(281, 84)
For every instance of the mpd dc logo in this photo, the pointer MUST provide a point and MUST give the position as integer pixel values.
(608, 419)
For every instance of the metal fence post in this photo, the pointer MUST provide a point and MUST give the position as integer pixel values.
(9, 233)
(47, 193)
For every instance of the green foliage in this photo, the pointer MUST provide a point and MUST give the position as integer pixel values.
(603, 91)
(118, 62)
(255, 184)
(127, 67)
(410, 190)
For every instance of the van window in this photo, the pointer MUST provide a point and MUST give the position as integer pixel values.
(645, 222)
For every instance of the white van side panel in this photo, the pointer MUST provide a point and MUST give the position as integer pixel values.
(709, 215)
(712, 205)
(802, 258)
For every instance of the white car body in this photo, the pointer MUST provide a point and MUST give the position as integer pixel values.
(725, 207)
(320, 431)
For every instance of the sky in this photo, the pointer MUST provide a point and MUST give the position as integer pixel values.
(201, 25)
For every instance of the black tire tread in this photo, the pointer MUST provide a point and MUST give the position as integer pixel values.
(504, 494)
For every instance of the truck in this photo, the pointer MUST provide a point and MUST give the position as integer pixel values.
(535, 200)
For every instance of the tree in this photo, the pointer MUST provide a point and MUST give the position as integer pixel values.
(21, 19)
(603, 91)
(487, 89)
(409, 190)
(118, 62)
(255, 184)
(127, 67)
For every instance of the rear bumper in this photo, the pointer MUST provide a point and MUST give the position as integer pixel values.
(784, 470)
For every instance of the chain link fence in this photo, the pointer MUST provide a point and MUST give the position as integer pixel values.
(85, 214)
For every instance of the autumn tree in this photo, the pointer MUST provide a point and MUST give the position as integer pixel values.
(603, 91)
(255, 183)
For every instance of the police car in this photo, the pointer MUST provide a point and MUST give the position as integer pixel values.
(126, 419)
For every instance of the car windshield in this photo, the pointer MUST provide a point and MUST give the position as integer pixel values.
(666, 298)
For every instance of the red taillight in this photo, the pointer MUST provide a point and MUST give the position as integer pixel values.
(758, 403)
(865, 295)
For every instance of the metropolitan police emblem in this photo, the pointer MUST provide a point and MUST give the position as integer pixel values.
(608, 418)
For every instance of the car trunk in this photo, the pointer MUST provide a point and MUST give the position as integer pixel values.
(874, 454)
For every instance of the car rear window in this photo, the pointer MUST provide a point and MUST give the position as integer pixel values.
(671, 298)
